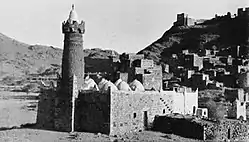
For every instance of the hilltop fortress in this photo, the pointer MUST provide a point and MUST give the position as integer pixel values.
(102, 106)
(183, 19)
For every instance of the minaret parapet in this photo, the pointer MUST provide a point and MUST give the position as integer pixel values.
(73, 27)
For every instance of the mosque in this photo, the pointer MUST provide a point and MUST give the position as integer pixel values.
(128, 101)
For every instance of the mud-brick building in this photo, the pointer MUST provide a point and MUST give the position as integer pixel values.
(144, 70)
(193, 61)
(238, 99)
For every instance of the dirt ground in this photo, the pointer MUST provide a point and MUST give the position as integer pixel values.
(17, 109)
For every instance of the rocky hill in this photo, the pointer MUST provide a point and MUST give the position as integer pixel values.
(18, 59)
(221, 32)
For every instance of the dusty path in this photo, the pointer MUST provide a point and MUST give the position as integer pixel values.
(31, 135)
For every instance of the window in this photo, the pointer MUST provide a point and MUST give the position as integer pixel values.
(194, 109)
(163, 111)
(134, 115)
(204, 113)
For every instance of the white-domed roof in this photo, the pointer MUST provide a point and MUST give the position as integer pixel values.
(123, 86)
(117, 82)
(102, 83)
(89, 84)
(137, 86)
(73, 16)
(109, 84)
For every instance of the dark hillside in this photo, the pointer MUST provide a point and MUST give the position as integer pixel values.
(221, 32)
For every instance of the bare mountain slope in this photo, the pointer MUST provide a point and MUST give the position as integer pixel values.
(19, 59)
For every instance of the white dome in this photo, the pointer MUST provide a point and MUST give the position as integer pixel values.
(137, 86)
(102, 83)
(109, 84)
(117, 82)
(73, 16)
(89, 84)
(123, 86)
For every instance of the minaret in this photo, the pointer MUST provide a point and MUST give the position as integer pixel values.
(72, 65)
(73, 59)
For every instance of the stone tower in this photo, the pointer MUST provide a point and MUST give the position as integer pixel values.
(72, 66)
(73, 59)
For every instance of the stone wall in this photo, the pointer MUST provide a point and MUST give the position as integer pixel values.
(92, 112)
(45, 112)
(224, 130)
(227, 129)
(134, 111)
(54, 110)
(233, 130)
(63, 113)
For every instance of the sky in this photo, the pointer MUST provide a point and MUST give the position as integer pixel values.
(121, 25)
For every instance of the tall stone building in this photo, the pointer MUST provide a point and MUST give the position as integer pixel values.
(73, 59)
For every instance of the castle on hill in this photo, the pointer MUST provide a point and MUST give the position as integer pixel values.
(183, 19)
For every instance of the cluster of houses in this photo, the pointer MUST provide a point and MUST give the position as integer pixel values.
(214, 69)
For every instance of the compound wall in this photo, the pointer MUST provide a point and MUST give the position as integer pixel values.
(135, 111)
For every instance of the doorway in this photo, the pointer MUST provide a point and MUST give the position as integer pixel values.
(145, 120)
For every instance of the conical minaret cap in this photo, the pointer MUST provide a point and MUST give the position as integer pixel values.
(73, 16)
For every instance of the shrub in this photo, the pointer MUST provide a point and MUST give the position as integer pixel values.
(28, 88)
(215, 110)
